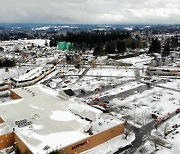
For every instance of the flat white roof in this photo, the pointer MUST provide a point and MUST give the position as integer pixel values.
(52, 122)
(85, 111)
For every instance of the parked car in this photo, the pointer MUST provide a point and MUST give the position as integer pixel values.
(163, 118)
(10, 150)
(113, 86)
(96, 99)
(98, 89)
(154, 115)
(178, 110)
(104, 104)
(83, 91)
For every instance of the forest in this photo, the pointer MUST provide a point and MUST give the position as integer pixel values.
(101, 42)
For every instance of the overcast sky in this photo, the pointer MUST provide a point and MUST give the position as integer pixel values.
(90, 11)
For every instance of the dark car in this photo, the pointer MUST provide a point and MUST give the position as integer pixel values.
(83, 91)
(96, 99)
(154, 115)
(178, 110)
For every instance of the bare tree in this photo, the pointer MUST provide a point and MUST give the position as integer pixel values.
(144, 117)
(134, 116)
(155, 145)
(160, 109)
(178, 85)
(166, 128)
(126, 130)
(153, 107)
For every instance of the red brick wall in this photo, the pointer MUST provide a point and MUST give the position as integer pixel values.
(1, 120)
(14, 95)
(6, 140)
(94, 140)
(22, 147)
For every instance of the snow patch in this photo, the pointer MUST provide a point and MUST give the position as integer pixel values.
(62, 116)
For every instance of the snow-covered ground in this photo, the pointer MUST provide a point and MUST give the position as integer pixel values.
(53, 123)
(137, 61)
(111, 72)
(36, 42)
(141, 106)
(171, 140)
(14, 72)
(112, 145)
(138, 106)
(110, 77)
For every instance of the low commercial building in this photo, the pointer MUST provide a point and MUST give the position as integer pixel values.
(40, 122)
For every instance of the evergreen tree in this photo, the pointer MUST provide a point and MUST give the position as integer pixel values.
(155, 46)
(1, 49)
(121, 46)
(54, 152)
(110, 48)
(166, 50)
(133, 45)
(98, 50)
(52, 43)
(46, 43)
(174, 42)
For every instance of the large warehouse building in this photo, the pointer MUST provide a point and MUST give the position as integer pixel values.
(40, 122)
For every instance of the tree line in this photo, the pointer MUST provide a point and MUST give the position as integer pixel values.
(164, 47)
(7, 63)
(101, 42)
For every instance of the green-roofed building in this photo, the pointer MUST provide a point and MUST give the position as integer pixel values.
(65, 46)
(61, 45)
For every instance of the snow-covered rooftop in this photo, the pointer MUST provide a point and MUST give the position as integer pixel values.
(52, 122)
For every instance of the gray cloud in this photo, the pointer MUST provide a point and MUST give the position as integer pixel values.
(90, 11)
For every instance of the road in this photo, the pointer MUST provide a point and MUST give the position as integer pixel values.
(103, 89)
(102, 76)
(123, 94)
(141, 135)
(83, 74)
